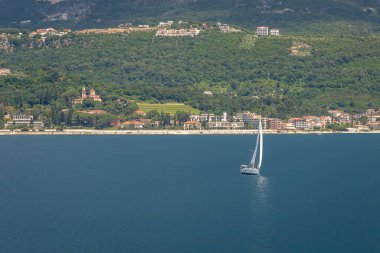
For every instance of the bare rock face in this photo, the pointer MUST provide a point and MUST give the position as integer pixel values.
(67, 11)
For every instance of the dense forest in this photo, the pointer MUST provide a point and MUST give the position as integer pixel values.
(275, 76)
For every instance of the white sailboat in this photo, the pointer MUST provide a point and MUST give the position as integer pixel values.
(254, 168)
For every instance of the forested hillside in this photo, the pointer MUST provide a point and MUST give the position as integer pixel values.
(293, 16)
(278, 76)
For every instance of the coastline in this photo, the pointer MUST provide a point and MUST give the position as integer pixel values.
(172, 132)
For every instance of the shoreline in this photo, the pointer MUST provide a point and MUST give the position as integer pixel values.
(173, 132)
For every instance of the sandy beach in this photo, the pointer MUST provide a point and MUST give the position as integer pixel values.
(168, 132)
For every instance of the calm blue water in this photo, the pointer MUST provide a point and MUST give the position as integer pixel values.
(185, 194)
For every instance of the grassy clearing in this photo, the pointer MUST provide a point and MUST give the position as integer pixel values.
(171, 108)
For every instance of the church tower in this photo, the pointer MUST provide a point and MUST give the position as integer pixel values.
(84, 94)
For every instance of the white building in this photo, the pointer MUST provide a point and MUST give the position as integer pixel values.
(166, 24)
(224, 124)
(274, 32)
(262, 30)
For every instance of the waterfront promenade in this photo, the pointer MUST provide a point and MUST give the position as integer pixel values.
(167, 132)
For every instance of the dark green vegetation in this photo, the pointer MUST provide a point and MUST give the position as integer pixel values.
(243, 72)
(306, 16)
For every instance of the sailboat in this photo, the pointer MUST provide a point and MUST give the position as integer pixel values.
(254, 168)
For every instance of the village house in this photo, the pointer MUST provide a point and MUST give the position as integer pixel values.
(201, 118)
(208, 93)
(312, 122)
(225, 124)
(166, 24)
(262, 31)
(204, 26)
(290, 126)
(247, 117)
(275, 124)
(105, 31)
(191, 125)
(224, 28)
(192, 32)
(140, 112)
(132, 124)
(84, 96)
(325, 121)
(125, 26)
(340, 117)
(274, 32)
(94, 112)
(265, 31)
(23, 120)
(374, 117)
(299, 123)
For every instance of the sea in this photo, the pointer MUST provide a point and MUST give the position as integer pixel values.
(168, 193)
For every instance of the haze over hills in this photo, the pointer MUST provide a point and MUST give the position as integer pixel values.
(358, 16)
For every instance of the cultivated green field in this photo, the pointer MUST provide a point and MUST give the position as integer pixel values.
(171, 108)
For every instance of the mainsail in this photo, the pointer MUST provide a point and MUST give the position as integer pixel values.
(261, 145)
(259, 142)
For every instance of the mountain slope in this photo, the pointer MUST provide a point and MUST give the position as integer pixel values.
(293, 15)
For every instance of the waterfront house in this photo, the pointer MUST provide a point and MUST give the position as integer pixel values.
(225, 124)
(374, 117)
(274, 124)
(23, 120)
(248, 117)
(132, 124)
(191, 125)
(299, 123)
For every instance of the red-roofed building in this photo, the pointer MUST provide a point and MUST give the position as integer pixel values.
(191, 125)
(299, 123)
(94, 112)
(132, 124)
(140, 112)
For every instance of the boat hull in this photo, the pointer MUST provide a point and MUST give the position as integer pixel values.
(248, 170)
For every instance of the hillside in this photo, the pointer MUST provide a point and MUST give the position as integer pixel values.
(293, 16)
(279, 77)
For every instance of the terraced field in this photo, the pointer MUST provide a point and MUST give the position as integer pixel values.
(171, 108)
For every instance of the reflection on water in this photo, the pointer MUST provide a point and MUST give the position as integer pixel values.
(260, 191)
(260, 210)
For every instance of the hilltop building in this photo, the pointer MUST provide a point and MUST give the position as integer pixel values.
(84, 96)
(192, 32)
(224, 28)
(166, 24)
(265, 31)
(275, 32)
(262, 30)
